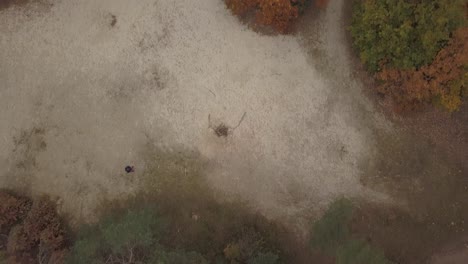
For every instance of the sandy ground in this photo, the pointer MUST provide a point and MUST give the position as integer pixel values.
(86, 85)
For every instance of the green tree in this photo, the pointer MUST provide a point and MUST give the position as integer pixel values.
(403, 34)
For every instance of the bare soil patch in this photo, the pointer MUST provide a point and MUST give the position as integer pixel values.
(453, 254)
(404, 237)
(7, 3)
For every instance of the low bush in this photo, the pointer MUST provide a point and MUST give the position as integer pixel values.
(124, 239)
(277, 14)
(13, 209)
(40, 235)
(34, 233)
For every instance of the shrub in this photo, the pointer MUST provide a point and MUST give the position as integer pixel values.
(122, 239)
(84, 251)
(332, 229)
(277, 14)
(241, 7)
(134, 230)
(40, 235)
(35, 231)
(13, 209)
(43, 225)
(403, 34)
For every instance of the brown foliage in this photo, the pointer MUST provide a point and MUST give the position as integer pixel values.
(41, 235)
(321, 3)
(12, 210)
(58, 256)
(278, 14)
(444, 80)
(241, 7)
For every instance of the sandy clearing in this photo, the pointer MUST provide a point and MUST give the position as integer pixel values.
(80, 99)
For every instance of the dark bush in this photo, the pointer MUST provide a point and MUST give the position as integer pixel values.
(13, 209)
(39, 237)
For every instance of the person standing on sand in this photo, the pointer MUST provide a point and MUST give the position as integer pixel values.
(129, 169)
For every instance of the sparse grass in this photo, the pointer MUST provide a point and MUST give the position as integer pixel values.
(8, 3)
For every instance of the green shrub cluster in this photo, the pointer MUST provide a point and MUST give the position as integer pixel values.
(140, 236)
(131, 238)
(403, 34)
(121, 239)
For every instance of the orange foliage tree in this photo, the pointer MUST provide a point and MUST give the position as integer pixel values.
(278, 14)
(241, 7)
(444, 80)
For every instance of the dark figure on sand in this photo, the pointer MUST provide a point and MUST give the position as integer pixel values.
(129, 169)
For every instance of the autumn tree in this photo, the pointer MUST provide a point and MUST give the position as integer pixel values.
(403, 34)
(444, 81)
(277, 14)
(416, 48)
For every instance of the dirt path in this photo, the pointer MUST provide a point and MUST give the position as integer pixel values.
(87, 86)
